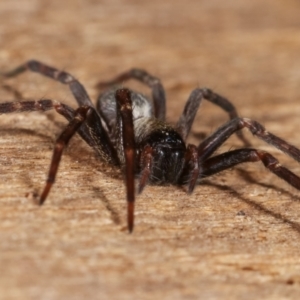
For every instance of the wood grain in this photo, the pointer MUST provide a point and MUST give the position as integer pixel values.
(236, 237)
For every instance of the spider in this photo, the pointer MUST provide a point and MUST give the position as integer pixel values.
(129, 131)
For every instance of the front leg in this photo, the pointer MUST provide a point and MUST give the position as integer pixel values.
(93, 133)
(80, 116)
(91, 130)
(125, 125)
(77, 119)
(85, 121)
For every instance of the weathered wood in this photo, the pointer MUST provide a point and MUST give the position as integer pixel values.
(236, 237)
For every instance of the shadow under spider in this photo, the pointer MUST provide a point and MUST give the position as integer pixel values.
(24, 176)
(247, 177)
(295, 226)
(73, 153)
(24, 131)
(89, 161)
(115, 217)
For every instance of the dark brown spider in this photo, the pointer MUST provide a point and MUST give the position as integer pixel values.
(126, 130)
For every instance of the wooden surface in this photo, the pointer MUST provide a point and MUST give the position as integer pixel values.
(236, 237)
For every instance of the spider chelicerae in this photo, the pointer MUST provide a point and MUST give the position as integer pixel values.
(129, 131)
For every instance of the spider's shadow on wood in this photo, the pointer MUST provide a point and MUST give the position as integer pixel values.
(257, 206)
(73, 153)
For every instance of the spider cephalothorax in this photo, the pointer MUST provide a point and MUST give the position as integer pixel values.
(129, 131)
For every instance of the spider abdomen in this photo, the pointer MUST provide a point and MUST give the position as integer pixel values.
(107, 107)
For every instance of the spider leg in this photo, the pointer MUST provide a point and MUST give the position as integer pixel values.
(91, 130)
(191, 170)
(186, 120)
(93, 133)
(84, 120)
(232, 158)
(194, 167)
(213, 142)
(80, 116)
(158, 92)
(125, 119)
(44, 105)
(30, 105)
(75, 86)
(147, 164)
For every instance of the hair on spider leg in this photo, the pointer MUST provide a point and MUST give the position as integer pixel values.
(128, 131)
